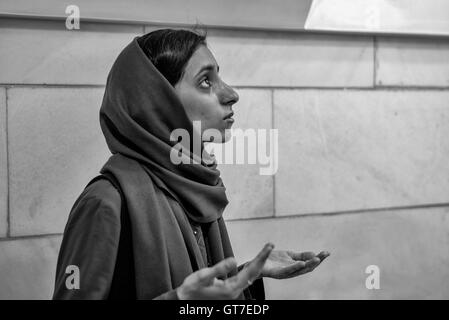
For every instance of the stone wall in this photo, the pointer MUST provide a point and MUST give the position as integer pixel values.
(363, 126)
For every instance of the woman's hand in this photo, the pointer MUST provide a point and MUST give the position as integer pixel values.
(288, 264)
(205, 285)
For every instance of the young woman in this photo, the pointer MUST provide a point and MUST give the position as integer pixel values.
(148, 228)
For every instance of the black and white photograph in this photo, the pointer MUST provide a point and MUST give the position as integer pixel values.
(224, 150)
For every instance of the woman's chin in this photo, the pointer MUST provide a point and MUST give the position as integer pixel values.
(227, 136)
(220, 136)
(218, 141)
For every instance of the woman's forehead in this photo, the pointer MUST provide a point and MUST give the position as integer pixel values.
(201, 59)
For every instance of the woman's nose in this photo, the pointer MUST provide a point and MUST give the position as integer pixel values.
(229, 95)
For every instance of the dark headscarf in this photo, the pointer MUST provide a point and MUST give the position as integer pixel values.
(139, 111)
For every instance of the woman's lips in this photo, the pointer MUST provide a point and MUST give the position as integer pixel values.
(229, 115)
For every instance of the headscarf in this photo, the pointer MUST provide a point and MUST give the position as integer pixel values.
(139, 111)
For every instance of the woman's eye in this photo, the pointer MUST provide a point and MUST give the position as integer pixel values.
(206, 82)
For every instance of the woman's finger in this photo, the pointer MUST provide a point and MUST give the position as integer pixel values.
(221, 269)
(302, 256)
(293, 268)
(312, 263)
(252, 270)
(255, 266)
(309, 267)
(323, 255)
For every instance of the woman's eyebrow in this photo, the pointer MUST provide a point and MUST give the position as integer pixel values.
(208, 67)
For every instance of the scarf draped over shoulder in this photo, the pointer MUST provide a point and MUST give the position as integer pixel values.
(139, 111)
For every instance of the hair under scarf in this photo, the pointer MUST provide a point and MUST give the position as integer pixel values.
(139, 111)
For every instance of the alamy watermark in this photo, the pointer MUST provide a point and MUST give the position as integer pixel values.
(249, 146)
(72, 282)
(373, 280)
(73, 19)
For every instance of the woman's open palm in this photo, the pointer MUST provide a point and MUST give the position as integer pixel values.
(288, 264)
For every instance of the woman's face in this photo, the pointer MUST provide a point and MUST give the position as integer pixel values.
(205, 96)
